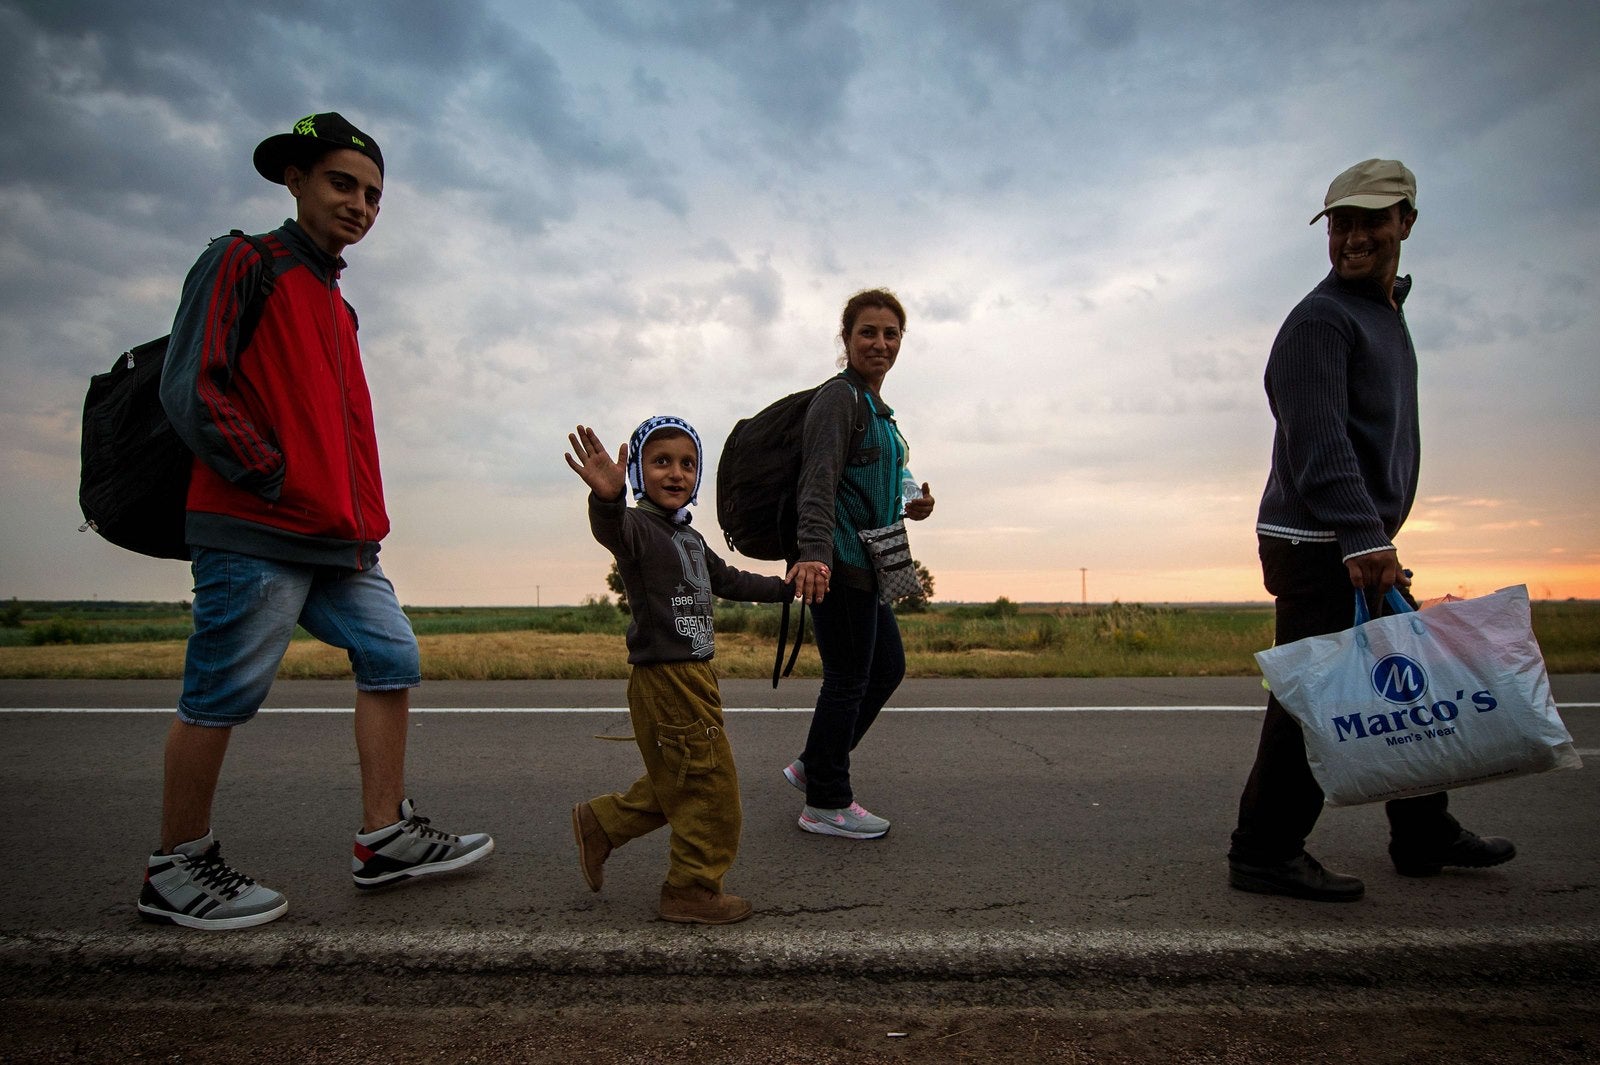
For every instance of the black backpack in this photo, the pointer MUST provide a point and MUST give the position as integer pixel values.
(758, 478)
(135, 476)
(758, 475)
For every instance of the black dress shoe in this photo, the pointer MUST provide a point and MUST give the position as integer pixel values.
(1301, 877)
(1467, 849)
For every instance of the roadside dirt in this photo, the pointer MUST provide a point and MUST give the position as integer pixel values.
(865, 1025)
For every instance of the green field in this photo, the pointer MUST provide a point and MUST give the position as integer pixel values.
(1000, 639)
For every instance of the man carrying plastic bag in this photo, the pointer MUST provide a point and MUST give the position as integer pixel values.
(1414, 703)
(1342, 385)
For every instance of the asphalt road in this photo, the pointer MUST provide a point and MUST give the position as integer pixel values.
(1067, 831)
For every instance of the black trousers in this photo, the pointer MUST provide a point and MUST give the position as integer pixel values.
(1281, 800)
(863, 662)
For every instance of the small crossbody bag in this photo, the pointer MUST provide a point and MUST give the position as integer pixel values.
(891, 560)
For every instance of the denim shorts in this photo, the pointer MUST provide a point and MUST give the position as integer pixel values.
(245, 612)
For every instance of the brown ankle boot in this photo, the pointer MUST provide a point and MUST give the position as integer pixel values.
(594, 846)
(697, 904)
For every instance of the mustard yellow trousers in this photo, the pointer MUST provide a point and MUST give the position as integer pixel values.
(689, 779)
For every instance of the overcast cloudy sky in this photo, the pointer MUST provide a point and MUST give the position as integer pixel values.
(1095, 213)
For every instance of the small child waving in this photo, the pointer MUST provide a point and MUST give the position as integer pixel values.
(671, 578)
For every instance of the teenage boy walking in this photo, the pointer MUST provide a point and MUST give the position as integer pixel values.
(285, 515)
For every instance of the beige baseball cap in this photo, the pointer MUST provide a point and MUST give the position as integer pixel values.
(1374, 184)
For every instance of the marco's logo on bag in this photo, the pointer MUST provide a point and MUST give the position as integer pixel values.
(1399, 679)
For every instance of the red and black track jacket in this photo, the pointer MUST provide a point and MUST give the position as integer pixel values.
(286, 459)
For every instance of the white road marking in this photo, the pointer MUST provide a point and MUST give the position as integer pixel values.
(624, 709)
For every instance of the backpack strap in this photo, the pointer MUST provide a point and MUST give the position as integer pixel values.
(860, 418)
(858, 427)
(250, 316)
(783, 638)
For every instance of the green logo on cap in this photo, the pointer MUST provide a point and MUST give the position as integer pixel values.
(307, 126)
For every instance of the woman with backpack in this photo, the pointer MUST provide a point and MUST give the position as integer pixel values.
(844, 491)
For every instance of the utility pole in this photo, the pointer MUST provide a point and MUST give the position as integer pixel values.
(1083, 574)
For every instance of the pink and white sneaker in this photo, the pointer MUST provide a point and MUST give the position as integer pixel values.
(852, 822)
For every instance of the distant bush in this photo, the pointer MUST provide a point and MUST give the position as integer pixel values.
(1133, 627)
(1000, 608)
(59, 630)
(1048, 633)
(923, 600)
(614, 582)
(599, 610)
(758, 619)
(594, 615)
(733, 617)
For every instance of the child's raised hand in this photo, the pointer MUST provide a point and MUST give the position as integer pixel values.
(605, 478)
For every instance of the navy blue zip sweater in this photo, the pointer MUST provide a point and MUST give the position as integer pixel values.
(1342, 385)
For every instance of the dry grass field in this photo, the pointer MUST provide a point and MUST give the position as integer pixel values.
(1001, 639)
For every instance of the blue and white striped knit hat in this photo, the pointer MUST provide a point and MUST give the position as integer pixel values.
(648, 428)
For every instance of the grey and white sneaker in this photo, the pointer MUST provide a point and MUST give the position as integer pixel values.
(195, 888)
(852, 822)
(795, 774)
(411, 847)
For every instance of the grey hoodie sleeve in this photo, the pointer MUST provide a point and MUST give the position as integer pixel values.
(742, 586)
(825, 442)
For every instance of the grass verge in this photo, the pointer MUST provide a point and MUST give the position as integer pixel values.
(1002, 639)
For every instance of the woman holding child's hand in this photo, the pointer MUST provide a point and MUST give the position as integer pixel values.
(851, 480)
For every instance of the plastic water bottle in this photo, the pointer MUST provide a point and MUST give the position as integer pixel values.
(909, 488)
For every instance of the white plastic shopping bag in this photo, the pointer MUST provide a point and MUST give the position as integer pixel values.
(1418, 702)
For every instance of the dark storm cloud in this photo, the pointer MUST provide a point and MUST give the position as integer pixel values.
(108, 102)
(790, 61)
